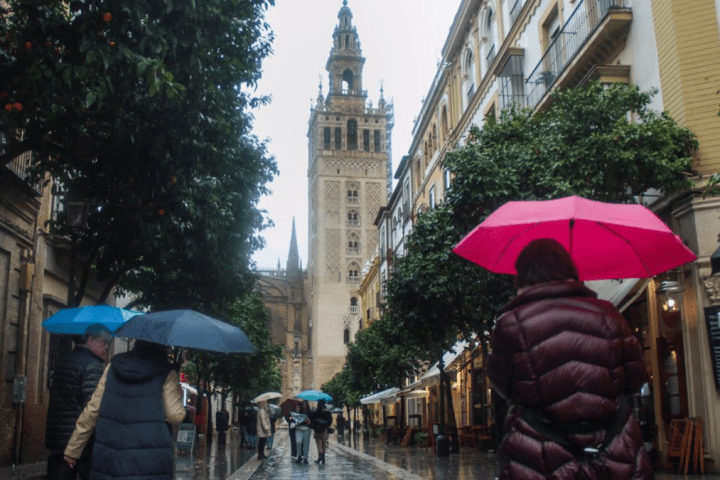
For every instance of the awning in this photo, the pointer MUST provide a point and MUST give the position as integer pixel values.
(414, 390)
(377, 397)
(432, 376)
(613, 291)
(187, 387)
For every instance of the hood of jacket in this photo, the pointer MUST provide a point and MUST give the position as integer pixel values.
(548, 290)
(132, 368)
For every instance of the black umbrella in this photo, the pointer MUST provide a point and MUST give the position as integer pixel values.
(187, 328)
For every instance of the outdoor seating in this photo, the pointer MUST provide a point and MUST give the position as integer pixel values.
(467, 436)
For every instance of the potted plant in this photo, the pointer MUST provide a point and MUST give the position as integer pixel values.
(420, 438)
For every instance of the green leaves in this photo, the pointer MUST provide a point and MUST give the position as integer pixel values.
(141, 109)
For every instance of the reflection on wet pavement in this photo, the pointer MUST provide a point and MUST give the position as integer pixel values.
(214, 462)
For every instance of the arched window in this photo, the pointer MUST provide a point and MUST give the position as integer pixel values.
(353, 244)
(348, 78)
(354, 307)
(444, 122)
(468, 77)
(489, 35)
(353, 273)
(352, 139)
(353, 219)
(346, 336)
(352, 195)
(434, 137)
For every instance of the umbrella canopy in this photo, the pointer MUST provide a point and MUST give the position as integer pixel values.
(288, 405)
(336, 410)
(314, 396)
(274, 410)
(605, 240)
(187, 328)
(75, 321)
(267, 396)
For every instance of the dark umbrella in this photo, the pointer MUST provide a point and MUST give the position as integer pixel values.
(187, 328)
(288, 405)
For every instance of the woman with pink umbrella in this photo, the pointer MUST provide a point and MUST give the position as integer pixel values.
(564, 361)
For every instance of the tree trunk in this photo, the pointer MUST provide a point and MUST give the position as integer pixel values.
(452, 423)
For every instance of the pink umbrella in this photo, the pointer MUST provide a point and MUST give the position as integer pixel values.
(605, 240)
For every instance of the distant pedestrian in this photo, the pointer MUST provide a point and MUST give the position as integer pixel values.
(302, 432)
(263, 428)
(564, 360)
(222, 421)
(72, 383)
(252, 426)
(271, 438)
(244, 422)
(137, 396)
(291, 430)
(341, 422)
(321, 421)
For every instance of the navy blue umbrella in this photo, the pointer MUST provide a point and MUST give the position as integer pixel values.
(187, 328)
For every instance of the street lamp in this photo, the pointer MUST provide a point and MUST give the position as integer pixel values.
(670, 293)
(77, 212)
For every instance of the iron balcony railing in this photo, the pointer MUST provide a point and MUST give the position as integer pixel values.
(20, 166)
(515, 11)
(577, 30)
(490, 56)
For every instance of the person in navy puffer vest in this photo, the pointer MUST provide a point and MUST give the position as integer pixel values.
(137, 397)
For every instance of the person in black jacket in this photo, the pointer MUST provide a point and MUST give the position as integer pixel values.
(321, 421)
(72, 383)
(137, 396)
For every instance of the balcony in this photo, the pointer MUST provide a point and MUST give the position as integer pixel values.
(354, 309)
(515, 11)
(595, 32)
(490, 56)
(353, 251)
(353, 223)
(353, 279)
(353, 200)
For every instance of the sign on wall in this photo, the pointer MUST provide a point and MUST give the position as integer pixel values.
(712, 320)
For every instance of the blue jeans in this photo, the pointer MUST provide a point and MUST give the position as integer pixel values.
(302, 437)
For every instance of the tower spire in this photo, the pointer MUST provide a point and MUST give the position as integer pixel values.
(293, 262)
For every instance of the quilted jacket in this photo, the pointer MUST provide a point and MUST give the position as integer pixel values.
(559, 351)
(72, 383)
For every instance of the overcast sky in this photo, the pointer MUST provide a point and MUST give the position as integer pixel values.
(401, 41)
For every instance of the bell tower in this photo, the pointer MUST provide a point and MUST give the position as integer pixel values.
(348, 178)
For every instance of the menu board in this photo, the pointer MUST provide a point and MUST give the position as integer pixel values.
(712, 320)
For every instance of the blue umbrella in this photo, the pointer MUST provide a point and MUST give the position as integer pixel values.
(314, 396)
(187, 328)
(75, 321)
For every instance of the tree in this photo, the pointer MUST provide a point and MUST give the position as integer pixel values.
(585, 144)
(142, 109)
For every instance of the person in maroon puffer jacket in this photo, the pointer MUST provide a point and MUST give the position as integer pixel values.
(565, 360)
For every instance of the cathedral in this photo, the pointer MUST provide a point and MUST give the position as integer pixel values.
(315, 314)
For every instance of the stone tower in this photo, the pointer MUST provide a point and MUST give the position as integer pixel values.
(348, 179)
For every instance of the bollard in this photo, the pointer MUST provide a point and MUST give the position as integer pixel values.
(443, 446)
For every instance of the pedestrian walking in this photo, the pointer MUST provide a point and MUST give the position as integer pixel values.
(263, 428)
(222, 421)
(341, 422)
(564, 361)
(271, 438)
(252, 426)
(302, 431)
(321, 421)
(72, 383)
(245, 426)
(291, 430)
(137, 396)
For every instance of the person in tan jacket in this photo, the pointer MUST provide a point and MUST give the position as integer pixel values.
(137, 396)
(263, 428)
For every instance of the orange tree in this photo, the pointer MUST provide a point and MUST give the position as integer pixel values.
(143, 110)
